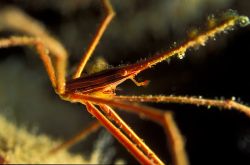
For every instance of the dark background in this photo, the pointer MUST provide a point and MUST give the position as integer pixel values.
(140, 29)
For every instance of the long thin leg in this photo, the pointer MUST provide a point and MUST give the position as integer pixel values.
(101, 29)
(151, 113)
(131, 141)
(40, 47)
(111, 114)
(14, 19)
(77, 138)
(224, 104)
(138, 154)
(177, 143)
(156, 115)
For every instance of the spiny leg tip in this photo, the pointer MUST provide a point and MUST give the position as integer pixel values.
(243, 21)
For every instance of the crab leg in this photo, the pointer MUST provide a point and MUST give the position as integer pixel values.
(138, 154)
(100, 31)
(225, 104)
(163, 118)
(40, 47)
(131, 141)
(15, 19)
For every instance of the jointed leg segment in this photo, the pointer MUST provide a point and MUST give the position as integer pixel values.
(176, 141)
(110, 113)
(105, 22)
(41, 49)
(141, 157)
(120, 130)
(163, 118)
(15, 19)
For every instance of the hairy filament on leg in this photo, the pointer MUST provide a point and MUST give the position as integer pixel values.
(225, 104)
(200, 39)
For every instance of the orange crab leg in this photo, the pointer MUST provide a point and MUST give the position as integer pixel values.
(100, 31)
(163, 118)
(138, 154)
(14, 19)
(225, 104)
(41, 49)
